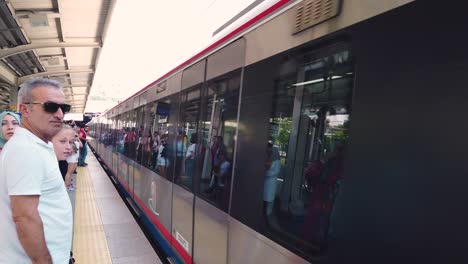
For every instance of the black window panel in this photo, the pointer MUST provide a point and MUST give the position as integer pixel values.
(294, 127)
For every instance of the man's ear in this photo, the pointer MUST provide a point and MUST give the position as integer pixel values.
(24, 110)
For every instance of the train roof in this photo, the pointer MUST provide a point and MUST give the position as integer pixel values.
(227, 33)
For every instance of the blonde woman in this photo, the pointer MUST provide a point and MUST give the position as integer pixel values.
(63, 148)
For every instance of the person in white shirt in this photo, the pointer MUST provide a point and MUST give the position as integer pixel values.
(36, 214)
(72, 161)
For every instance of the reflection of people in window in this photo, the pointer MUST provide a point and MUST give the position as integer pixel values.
(323, 177)
(217, 148)
(272, 167)
(162, 156)
(224, 178)
(190, 159)
(180, 153)
(154, 147)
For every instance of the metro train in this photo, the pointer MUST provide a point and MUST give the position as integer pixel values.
(314, 131)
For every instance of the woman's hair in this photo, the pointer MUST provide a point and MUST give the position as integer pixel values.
(2, 116)
(67, 126)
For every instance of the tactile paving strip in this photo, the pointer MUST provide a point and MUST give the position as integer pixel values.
(89, 239)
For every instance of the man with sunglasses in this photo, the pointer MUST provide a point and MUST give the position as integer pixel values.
(36, 214)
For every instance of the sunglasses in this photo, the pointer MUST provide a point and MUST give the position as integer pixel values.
(51, 107)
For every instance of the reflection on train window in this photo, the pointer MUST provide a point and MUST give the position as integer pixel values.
(120, 137)
(304, 170)
(187, 147)
(218, 130)
(130, 139)
(145, 135)
(160, 146)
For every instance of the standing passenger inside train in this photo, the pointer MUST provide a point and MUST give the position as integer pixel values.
(132, 144)
(181, 148)
(144, 148)
(273, 168)
(224, 178)
(217, 148)
(163, 162)
(33, 199)
(190, 159)
(156, 140)
(10, 121)
(324, 176)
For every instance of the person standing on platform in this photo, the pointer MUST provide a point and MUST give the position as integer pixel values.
(10, 121)
(84, 149)
(36, 215)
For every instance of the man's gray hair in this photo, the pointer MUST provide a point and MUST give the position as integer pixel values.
(25, 91)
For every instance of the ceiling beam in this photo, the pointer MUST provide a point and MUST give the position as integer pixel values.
(76, 85)
(7, 75)
(19, 49)
(53, 73)
(77, 94)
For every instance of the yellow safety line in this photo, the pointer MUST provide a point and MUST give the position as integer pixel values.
(89, 239)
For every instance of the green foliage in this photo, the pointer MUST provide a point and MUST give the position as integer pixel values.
(282, 138)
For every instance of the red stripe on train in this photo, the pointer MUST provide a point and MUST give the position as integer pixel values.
(187, 258)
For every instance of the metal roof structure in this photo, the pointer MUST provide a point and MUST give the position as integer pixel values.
(57, 39)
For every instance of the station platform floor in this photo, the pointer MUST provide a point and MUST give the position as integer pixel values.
(104, 229)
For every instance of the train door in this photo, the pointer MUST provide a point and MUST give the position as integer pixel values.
(186, 159)
(218, 128)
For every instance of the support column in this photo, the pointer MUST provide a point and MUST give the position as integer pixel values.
(13, 98)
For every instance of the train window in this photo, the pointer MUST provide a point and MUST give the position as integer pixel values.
(305, 150)
(217, 139)
(187, 147)
(293, 129)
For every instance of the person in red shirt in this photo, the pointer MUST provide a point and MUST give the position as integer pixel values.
(84, 149)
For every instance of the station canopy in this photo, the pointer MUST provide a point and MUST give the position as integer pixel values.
(57, 39)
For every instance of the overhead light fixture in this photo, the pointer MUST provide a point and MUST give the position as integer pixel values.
(39, 20)
(316, 81)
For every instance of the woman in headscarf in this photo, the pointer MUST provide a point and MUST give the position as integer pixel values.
(10, 121)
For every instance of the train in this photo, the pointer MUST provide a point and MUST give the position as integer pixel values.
(313, 131)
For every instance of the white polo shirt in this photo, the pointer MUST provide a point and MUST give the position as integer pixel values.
(29, 166)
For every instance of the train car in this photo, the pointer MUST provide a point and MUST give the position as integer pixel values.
(311, 131)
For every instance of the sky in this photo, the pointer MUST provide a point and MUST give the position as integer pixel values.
(148, 38)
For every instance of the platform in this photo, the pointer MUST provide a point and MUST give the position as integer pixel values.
(104, 229)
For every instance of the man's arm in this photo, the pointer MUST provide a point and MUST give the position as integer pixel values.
(29, 227)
